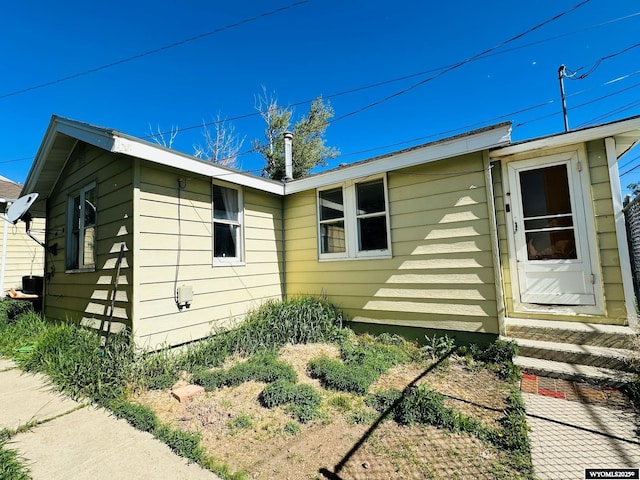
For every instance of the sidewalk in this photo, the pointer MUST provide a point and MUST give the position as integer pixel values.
(77, 441)
(576, 426)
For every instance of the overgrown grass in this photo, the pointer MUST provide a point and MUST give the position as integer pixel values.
(11, 468)
(71, 356)
(361, 364)
(303, 401)
(421, 405)
(297, 320)
(261, 367)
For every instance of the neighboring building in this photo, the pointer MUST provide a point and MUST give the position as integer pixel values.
(21, 255)
(454, 235)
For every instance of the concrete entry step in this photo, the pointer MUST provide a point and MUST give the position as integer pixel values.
(611, 358)
(577, 333)
(575, 372)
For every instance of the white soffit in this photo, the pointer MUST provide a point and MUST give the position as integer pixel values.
(626, 132)
(490, 137)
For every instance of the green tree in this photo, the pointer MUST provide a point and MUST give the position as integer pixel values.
(308, 144)
(635, 189)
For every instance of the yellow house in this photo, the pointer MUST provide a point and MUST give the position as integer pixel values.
(461, 235)
(21, 256)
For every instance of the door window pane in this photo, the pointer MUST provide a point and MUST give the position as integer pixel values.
(548, 219)
(545, 191)
(551, 245)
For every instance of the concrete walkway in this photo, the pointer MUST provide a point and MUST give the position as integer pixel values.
(570, 435)
(70, 440)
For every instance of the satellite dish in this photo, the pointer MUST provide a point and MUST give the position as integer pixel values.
(19, 208)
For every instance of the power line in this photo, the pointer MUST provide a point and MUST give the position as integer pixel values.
(418, 74)
(461, 63)
(630, 170)
(598, 62)
(156, 50)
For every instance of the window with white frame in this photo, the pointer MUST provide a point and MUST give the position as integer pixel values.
(227, 224)
(81, 229)
(353, 220)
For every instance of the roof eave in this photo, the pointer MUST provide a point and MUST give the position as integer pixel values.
(483, 139)
(117, 142)
(626, 132)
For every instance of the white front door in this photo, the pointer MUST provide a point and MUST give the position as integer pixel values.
(549, 231)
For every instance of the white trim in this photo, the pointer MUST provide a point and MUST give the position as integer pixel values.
(565, 139)
(495, 243)
(238, 260)
(621, 232)
(147, 151)
(350, 219)
(491, 138)
(80, 260)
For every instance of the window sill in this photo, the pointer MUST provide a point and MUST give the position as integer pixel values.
(228, 263)
(382, 256)
(81, 270)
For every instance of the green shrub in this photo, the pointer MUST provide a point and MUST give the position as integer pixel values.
(384, 400)
(498, 356)
(377, 356)
(303, 400)
(500, 351)
(139, 416)
(185, 444)
(337, 375)
(261, 367)
(361, 365)
(421, 405)
(513, 434)
(437, 346)
(11, 309)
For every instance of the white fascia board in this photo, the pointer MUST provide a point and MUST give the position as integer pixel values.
(81, 131)
(631, 126)
(146, 151)
(98, 137)
(394, 161)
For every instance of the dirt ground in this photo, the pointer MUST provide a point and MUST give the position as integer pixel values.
(266, 445)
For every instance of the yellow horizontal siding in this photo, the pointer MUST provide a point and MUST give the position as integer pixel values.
(174, 251)
(441, 273)
(86, 296)
(23, 255)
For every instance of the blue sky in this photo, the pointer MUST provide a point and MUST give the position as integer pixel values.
(312, 48)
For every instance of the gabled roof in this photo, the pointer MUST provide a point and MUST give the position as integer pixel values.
(62, 135)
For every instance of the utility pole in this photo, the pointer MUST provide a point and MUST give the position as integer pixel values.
(562, 72)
